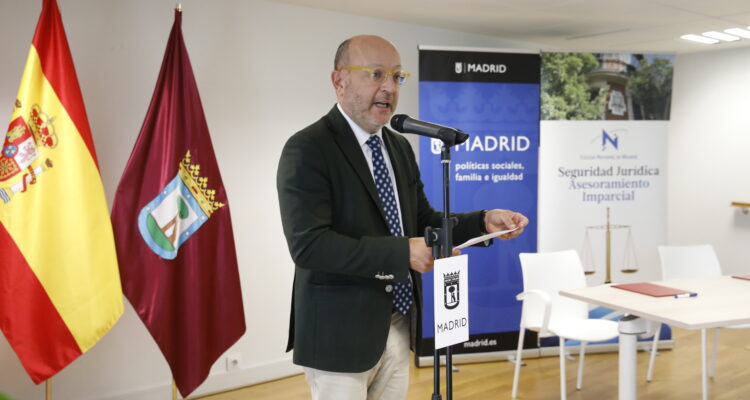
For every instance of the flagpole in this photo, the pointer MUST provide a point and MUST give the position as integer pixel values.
(178, 8)
(48, 389)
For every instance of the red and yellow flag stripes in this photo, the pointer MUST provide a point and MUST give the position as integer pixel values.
(59, 283)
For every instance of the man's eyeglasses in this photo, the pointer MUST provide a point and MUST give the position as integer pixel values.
(379, 75)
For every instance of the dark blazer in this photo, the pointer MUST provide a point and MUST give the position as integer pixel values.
(339, 240)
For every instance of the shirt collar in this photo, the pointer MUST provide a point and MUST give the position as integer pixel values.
(360, 133)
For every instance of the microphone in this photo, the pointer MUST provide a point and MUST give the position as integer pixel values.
(450, 136)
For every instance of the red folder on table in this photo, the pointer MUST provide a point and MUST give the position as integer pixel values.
(745, 277)
(651, 289)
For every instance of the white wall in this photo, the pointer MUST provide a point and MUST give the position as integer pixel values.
(709, 155)
(263, 73)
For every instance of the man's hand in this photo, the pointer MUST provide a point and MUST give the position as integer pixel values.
(420, 256)
(501, 220)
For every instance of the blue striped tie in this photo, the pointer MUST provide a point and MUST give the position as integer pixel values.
(402, 293)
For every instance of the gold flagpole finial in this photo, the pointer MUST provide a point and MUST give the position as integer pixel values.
(178, 7)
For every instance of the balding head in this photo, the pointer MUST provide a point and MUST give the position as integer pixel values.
(342, 53)
(368, 102)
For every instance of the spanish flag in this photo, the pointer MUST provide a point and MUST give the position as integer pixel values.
(59, 283)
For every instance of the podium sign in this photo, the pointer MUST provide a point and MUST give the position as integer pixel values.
(451, 300)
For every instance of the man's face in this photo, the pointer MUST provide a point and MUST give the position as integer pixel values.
(368, 103)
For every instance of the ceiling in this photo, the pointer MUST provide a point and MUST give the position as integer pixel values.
(627, 25)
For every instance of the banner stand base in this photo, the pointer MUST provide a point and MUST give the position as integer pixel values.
(552, 351)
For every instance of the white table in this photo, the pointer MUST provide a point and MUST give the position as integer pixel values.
(720, 302)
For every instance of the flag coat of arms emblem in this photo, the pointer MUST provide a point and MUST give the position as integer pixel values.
(177, 211)
(22, 148)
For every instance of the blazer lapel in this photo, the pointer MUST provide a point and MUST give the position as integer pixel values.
(348, 144)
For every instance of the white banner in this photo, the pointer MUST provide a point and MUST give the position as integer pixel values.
(602, 191)
(451, 300)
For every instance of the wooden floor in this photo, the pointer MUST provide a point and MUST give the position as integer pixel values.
(676, 376)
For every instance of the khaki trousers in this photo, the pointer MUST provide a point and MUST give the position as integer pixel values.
(387, 380)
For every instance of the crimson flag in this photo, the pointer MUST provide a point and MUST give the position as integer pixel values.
(173, 229)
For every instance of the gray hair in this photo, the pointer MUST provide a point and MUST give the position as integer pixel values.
(342, 54)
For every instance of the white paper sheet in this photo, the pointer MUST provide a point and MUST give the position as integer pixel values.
(482, 238)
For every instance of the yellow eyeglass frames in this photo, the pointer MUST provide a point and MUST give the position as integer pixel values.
(379, 75)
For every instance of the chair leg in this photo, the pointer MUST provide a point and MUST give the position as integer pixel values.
(563, 390)
(652, 358)
(579, 383)
(704, 378)
(517, 371)
(712, 367)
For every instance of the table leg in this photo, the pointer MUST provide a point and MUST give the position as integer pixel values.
(704, 375)
(629, 327)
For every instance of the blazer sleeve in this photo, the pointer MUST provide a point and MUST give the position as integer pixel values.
(304, 188)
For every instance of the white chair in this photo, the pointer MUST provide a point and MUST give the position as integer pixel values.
(549, 314)
(684, 262)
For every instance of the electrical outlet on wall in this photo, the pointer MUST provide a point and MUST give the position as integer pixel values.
(234, 361)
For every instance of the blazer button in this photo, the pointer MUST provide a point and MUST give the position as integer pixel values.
(388, 288)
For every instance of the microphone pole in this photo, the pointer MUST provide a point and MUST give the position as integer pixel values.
(440, 239)
(447, 250)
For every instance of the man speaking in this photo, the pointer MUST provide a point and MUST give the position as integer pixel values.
(353, 211)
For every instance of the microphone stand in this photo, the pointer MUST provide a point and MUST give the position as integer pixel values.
(441, 241)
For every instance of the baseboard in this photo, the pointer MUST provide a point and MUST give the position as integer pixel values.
(220, 382)
(248, 376)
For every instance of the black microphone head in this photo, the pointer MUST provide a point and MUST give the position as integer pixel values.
(461, 136)
(397, 122)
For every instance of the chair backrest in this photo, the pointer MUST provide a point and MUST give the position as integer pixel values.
(679, 262)
(551, 272)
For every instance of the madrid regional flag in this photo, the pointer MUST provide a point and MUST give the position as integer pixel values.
(59, 284)
(173, 228)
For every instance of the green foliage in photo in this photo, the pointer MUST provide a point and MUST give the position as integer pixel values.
(565, 90)
(651, 88)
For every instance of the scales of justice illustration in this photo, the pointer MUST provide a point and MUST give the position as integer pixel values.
(629, 259)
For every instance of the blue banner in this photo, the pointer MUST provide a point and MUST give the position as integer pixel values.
(494, 97)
